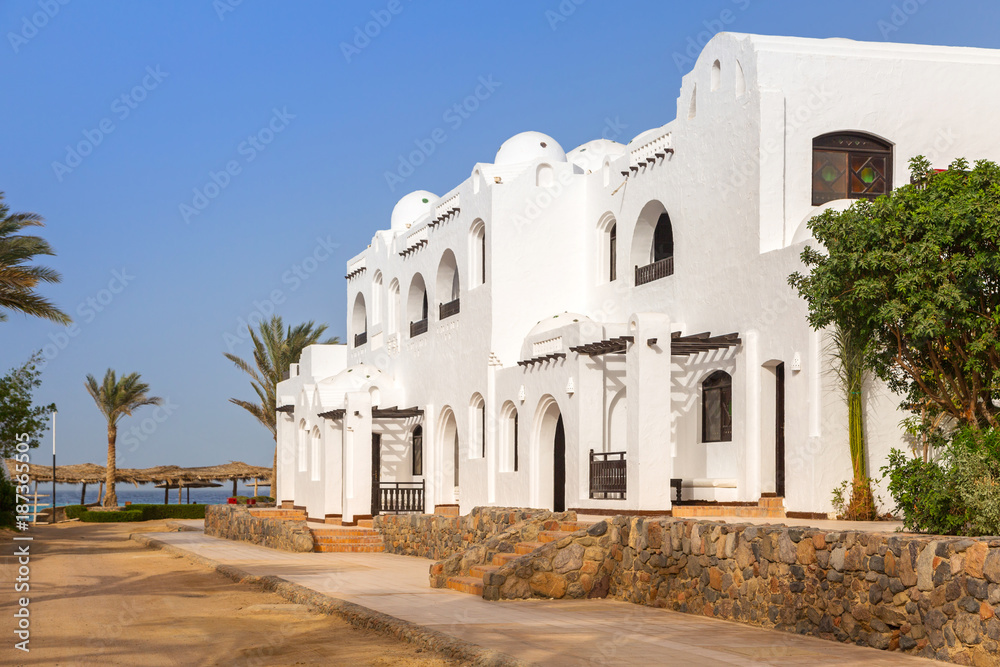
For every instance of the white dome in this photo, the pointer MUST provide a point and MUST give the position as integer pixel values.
(529, 147)
(557, 322)
(355, 378)
(411, 208)
(590, 156)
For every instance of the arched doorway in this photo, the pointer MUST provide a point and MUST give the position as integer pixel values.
(550, 442)
(450, 451)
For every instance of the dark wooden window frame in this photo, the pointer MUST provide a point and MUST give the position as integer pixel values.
(858, 148)
(417, 449)
(721, 383)
(613, 252)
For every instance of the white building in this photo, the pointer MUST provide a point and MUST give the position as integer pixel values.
(553, 304)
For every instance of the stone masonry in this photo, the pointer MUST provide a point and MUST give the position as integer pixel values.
(935, 597)
(236, 522)
(438, 537)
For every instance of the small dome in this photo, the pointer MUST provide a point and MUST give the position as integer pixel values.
(411, 208)
(557, 322)
(359, 377)
(590, 156)
(529, 147)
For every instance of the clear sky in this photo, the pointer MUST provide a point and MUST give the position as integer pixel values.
(198, 162)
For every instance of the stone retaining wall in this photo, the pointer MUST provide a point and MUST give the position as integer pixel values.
(483, 552)
(438, 537)
(934, 597)
(234, 522)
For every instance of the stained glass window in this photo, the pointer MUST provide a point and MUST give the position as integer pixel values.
(850, 166)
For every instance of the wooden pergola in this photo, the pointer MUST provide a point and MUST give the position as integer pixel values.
(173, 476)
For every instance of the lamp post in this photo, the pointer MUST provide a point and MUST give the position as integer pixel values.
(53, 464)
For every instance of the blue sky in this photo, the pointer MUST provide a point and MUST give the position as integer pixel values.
(198, 162)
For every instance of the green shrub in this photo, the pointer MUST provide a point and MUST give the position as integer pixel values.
(74, 511)
(8, 494)
(264, 499)
(959, 494)
(153, 512)
(120, 516)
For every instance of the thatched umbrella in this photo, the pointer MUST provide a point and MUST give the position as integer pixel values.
(166, 486)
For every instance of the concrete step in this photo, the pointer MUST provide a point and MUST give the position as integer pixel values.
(270, 513)
(366, 523)
(503, 559)
(344, 532)
(522, 548)
(480, 570)
(472, 585)
(748, 511)
(349, 548)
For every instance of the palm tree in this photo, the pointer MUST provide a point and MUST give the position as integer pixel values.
(274, 349)
(850, 351)
(117, 398)
(19, 279)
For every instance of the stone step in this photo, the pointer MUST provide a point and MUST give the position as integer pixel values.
(522, 548)
(348, 540)
(472, 585)
(268, 513)
(773, 502)
(366, 523)
(349, 548)
(344, 532)
(546, 536)
(567, 526)
(503, 559)
(480, 570)
(748, 511)
(446, 510)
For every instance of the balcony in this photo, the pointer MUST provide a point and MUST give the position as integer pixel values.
(398, 497)
(608, 475)
(418, 327)
(654, 271)
(360, 339)
(448, 309)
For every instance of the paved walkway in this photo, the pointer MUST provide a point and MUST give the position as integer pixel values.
(546, 632)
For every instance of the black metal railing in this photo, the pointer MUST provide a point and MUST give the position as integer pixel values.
(399, 497)
(448, 309)
(418, 327)
(608, 475)
(654, 271)
(360, 339)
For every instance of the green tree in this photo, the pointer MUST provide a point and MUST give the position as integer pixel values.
(17, 413)
(116, 399)
(918, 271)
(18, 278)
(275, 347)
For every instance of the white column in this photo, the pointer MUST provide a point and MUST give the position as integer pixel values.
(751, 469)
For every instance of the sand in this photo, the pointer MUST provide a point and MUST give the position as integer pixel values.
(98, 598)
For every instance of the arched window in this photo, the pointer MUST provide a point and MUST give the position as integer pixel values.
(717, 408)
(359, 321)
(693, 108)
(394, 307)
(417, 449)
(613, 252)
(477, 253)
(303, 434)
(850, 165)
(477, 425)
(716, 74)
(510, 454)
(741, 81)
(416, 306)
(448, 286)
(315, 463)
(663, 240)
(544, 176)
(377, 298)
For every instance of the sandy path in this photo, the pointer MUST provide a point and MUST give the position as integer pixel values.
(99, 598)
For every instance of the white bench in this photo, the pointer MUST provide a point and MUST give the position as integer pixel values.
(679, 484)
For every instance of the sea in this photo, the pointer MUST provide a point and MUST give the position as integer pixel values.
(69, 494)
